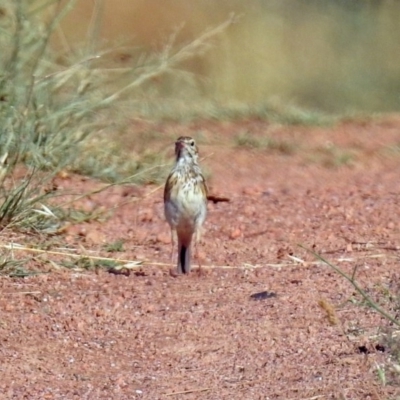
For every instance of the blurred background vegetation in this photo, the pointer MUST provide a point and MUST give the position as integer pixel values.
(334, 56)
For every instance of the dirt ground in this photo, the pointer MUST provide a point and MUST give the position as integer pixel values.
(263, 320)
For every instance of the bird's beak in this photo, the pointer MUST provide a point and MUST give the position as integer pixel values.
(179, 146)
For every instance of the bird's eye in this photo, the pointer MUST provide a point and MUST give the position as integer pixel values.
(192, 143)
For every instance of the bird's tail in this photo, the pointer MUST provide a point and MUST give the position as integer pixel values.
(184, 255)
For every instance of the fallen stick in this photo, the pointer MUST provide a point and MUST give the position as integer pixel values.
(188, 391)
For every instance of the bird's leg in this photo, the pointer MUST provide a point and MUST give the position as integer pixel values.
(196, 249)
(172, 245)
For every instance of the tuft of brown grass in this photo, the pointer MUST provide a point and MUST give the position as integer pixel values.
(331, 314)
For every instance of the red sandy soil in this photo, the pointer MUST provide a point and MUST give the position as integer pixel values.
(145, 333)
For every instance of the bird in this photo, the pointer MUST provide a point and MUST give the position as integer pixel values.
(185, 200)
